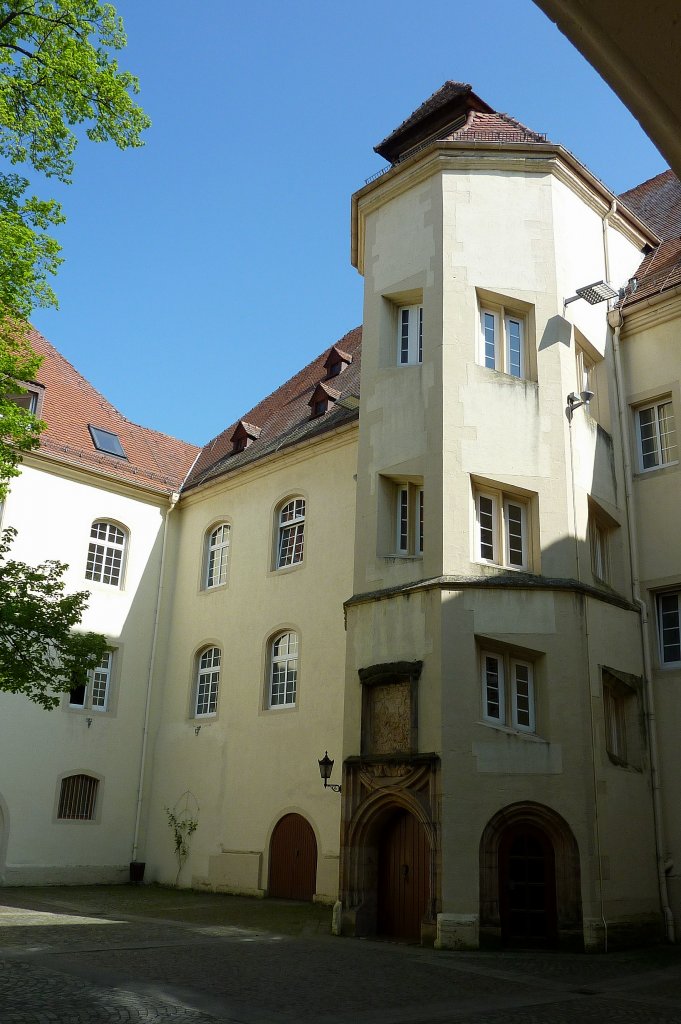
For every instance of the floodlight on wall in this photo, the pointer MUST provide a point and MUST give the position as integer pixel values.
(598, 291)
(574, 402)
(325, 769)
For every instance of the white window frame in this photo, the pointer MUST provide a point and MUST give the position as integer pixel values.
(97, 688)
(207, 686)
(496, 543)
(508, 693)
(291, 532)
(669, 628)
(410, 335)
(216, 556)
(408, 519)
(282, 675)
(663, 454)
(498, 328)
(105, 562)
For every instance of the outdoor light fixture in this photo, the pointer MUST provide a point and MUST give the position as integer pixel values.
(573, 402)
(594, 293)
(325, 769)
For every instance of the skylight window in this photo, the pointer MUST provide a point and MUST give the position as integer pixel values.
(105, 441)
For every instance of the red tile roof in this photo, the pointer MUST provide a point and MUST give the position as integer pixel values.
(454, 113)
(154, 460)
(657, 202)
(284, 416)
(659, 271)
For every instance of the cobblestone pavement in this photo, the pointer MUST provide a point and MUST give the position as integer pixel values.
(97, 955)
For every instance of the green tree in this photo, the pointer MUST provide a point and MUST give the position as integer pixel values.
(58, 71)
(40, 654)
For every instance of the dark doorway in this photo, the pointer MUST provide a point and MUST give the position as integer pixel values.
(527, 887)
(403, 878)
(293, 859)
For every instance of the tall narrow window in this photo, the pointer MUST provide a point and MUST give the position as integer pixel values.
(502, 341)
(105, 554)
(501, 529)
(77, 798)
(208, 682)
(410, 335)
(283, 670)
(291, 532)
(511, 705)
(408, 519)
(217, 556)
(669, 628)
(656, 435)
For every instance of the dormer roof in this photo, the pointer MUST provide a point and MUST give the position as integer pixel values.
(335, 357)
(246, 430)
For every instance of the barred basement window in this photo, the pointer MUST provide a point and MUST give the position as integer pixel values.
(77, 798)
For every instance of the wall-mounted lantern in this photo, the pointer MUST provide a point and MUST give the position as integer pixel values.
(325, 769)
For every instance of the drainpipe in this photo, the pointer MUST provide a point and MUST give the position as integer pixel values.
(616, 321)
(174, 497)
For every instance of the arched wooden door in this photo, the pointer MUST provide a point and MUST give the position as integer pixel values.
(293, 859)
(527, 887)
(403, 878)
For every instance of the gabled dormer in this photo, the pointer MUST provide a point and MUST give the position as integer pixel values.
(323, 397)
(244, 435)
(336, 361)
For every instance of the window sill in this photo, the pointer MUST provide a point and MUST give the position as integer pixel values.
(665, 467)
(282, 570)
(402, 558)
(509, 730)
(626, 765)
(212, 590)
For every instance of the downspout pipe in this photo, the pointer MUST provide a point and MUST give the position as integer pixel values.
(174, 497)
(616, 320)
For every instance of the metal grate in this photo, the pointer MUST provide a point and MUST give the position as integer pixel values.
(77, 798)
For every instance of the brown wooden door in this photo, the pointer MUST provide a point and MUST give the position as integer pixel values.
(527, 887)
(293, 859)
(403, 878)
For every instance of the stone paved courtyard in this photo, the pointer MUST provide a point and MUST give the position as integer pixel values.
(102, 954)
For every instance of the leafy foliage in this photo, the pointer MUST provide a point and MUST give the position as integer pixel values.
(40, 655)
(183, 828)
(57, 71)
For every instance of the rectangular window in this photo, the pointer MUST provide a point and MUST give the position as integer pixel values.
(614, 710)
(409, 519)
(94, 694)
(512, 705)
(669, 628)
(598, 535)
(502, 343)
(656, 434)
(410, 335)
(501, 529)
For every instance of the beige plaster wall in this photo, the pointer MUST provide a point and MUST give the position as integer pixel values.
(249, 765)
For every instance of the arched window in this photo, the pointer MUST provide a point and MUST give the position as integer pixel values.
(77, 798)
(106, 553)
(283, 675)
(290, 537)
(207, 682)
(216, 556)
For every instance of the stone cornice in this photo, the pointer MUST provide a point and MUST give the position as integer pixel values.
(507, 581)
(539, 158)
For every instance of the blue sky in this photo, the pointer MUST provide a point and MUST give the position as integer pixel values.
(206, 268)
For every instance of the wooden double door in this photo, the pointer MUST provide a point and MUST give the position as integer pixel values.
(527, 887)
(403, 888)
(293, 859)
